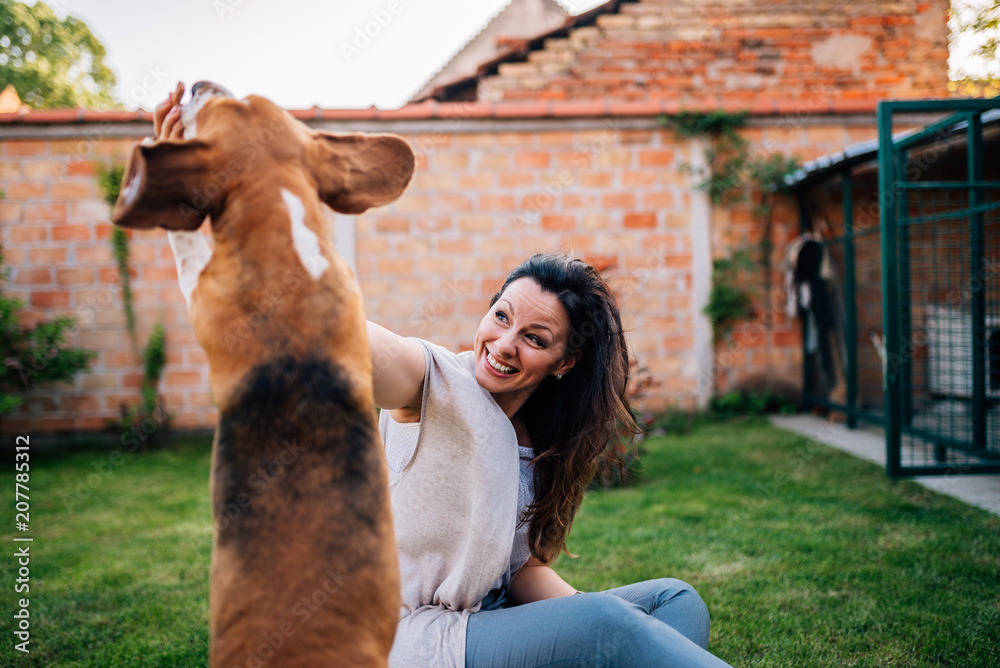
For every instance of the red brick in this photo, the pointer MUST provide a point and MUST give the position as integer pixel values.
(70, 189)
(53, 425)
(394, 266)
(94, 255)
(45, 212)
(640, 220)
(10, 212)
(103, 232)
(658, 200)
(678, 261)
(80, 403)
(67, 232)
(577, 201)
(50, 298)
(450, 160)
(789, 338)
(678, 342)
(656, 158)
(154, 274)
(533, 159)
(496, 203)
(517, 179)
(390, 224)
(25, 190)
(23, 148)
(463, 245)
(475, 224)
(181, 378)
(74, 276)
(81, 168)
(32, 277)
(558, 222)
(476, 181)
(601, 262)
(620, 200)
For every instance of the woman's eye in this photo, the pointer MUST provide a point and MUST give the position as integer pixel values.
(534, 339)
(501, 316)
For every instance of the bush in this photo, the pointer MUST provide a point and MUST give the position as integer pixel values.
(33, 355)
(751, 404)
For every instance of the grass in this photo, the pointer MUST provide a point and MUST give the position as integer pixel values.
(806, 556)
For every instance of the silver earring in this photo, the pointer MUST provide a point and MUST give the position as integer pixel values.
(559, 376)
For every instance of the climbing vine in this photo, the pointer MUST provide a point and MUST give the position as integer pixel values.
(734, 169)
(154, 354)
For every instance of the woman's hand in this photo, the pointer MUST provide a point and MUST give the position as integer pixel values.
(167, 116)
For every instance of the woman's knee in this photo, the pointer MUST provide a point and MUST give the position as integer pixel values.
(680, 605)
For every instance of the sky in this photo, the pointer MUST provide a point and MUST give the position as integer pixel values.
(299, 53)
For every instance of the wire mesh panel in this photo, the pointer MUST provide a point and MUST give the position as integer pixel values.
(842, 211)
(940, 237)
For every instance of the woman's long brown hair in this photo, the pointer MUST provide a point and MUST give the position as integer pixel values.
(574, 423)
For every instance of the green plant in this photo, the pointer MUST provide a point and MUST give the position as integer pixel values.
(154, 355)
(751, 404)
(154, 359)
(33, 355)
(726, 154)
(729, 301)
(733, 169)
(109, 179)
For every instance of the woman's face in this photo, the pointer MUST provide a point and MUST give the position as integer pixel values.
(521, 341)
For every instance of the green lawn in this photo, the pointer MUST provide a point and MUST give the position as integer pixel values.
(805, 556)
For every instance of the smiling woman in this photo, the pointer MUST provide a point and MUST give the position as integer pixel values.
(489, 453)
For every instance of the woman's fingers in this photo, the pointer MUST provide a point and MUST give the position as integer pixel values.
(163, 111)
(172, 127)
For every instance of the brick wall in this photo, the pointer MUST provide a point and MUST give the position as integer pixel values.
(487, 192)
(754, 52)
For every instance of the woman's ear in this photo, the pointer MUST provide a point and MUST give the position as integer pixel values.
(356, 172)
(165, 185)
(568, 362)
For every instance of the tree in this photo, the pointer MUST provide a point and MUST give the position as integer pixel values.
(978, 22)
(52, 62)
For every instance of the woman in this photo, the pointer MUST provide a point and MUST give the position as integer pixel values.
(489, 453)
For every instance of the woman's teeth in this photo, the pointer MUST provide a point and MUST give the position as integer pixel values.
(499, 367)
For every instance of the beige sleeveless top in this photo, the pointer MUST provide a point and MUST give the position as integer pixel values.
(454, 508)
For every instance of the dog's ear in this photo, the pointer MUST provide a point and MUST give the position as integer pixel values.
(166, 185)
(358, 171)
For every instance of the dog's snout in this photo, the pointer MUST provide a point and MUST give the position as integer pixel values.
(210, 88)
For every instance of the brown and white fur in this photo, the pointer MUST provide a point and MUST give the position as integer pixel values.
(304, 566)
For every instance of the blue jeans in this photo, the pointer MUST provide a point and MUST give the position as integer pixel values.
(653, 623)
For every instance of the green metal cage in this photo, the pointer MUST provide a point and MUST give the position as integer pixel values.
(911, 230)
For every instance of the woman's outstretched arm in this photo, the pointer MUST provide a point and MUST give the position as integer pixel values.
(397, 370)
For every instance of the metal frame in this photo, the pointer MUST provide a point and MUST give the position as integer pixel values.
(894, 192)
(904, 425)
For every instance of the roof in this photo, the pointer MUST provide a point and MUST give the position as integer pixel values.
(854, 154)
(519, 52)
(516, 22)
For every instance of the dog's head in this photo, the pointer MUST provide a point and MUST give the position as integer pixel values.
(230, 144)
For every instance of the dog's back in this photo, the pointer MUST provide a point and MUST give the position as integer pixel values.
(302, 515)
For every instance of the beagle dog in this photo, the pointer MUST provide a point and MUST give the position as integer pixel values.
(304, 565)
